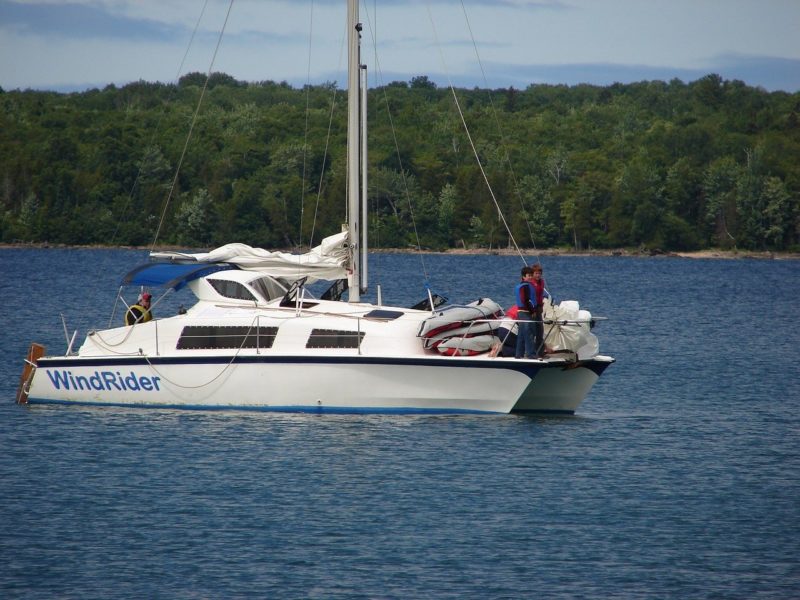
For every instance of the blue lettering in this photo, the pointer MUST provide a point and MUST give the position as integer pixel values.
(97, 383)
(131, 382)
(58, 378)
(108, 377)
(103, 381)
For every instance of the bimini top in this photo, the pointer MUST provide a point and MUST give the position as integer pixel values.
(171, 275)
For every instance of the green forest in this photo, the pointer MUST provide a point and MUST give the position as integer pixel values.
(652, 165)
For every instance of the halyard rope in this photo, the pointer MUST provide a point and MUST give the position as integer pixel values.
(191, 127)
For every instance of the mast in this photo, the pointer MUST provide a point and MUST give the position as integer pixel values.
(356, 111)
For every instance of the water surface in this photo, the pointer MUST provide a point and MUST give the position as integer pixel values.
(678, 477)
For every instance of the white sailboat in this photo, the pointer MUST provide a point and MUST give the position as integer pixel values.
(256, 339)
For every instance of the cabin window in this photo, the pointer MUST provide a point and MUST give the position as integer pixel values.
(334, 338)
(210, 337)
(231, 289)
(268, 288)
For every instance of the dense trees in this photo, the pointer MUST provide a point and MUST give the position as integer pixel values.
(657, 165)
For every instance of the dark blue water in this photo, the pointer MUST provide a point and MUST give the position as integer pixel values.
(678, 478)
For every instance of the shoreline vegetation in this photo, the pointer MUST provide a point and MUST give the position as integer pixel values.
(713, 253)
(669, 167)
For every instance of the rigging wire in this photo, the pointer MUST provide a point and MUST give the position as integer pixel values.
(397, 147)
(325, 151)
(158, 125)
(305, 132)
(191, 126)
(503, 138)
(322, 169)
(469, 136)
(376, 230)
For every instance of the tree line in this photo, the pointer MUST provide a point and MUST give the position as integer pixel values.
(667, 165)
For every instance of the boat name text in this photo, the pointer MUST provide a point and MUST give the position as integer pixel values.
(103, 381)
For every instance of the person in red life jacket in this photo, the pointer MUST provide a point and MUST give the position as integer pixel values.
(139, 312)
(540, 293)
(525, 296)
(505, 332)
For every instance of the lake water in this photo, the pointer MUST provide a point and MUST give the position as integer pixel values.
(679, 477)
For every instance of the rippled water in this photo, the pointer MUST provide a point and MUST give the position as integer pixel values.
(678, 478)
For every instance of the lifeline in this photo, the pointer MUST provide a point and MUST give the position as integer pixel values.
(103, 381)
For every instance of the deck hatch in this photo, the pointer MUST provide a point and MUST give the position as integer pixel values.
(210, 337)
(383, 315)
(334, 338)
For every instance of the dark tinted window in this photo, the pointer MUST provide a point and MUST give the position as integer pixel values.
(231, 289)
(203, 337)
(334, 338)
(268, 287)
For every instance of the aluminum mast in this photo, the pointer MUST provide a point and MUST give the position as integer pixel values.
(354, 152)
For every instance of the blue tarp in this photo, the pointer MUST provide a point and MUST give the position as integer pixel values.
(171, 275)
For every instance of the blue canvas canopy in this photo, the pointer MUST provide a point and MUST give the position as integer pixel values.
(171, 275)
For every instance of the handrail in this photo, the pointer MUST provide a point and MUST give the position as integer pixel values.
(71, 342)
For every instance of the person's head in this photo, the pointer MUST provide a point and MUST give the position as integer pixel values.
(526, 272)
(145, 301)
(536, 271)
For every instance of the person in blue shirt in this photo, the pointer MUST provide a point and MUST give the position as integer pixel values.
(525, 296)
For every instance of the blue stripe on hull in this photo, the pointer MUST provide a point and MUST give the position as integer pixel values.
(595, 365)
(288, 359)
(543, 412)
(328, 410)
(529, 368)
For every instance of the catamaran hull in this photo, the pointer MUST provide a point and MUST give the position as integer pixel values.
(332, 384)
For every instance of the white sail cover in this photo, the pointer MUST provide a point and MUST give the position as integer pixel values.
(327, 261)
(571, 330)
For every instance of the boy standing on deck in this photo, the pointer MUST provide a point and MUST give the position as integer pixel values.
(525, 297)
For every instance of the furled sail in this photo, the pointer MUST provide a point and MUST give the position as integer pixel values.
(328, 261)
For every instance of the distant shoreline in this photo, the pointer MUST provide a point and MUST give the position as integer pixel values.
(528, 252)
(709, 253)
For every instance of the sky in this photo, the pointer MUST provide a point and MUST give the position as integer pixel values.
(73, 45)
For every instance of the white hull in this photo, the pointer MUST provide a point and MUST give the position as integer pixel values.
(319, 384)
